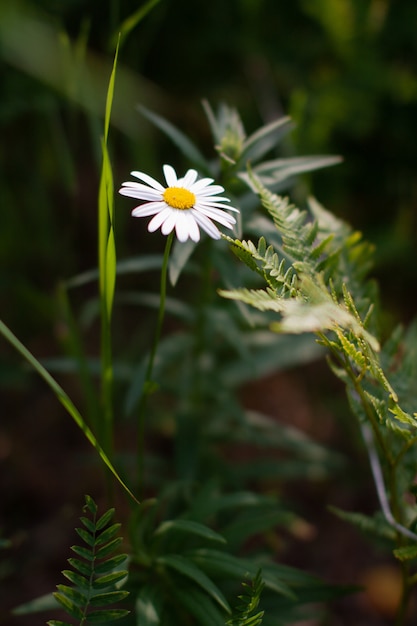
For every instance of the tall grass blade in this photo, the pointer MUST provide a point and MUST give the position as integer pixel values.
(63, 399)
(107, 270)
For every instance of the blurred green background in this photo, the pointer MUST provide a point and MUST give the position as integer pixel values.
(343, 69)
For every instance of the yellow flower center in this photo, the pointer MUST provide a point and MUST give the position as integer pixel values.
(179, 198)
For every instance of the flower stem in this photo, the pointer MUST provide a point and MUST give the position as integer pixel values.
(148, 385)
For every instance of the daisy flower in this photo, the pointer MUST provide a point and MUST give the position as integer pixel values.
(186, 204)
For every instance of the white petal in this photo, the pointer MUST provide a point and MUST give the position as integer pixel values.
(188, 180)
(150, 208)
(148, 179)
(141, 194)
(169, 223)
(186, 226)
(200, 184)
(218, 216)
(207, 225)
(211, 190)
(212, 203)
(159, 218)
(170, 175)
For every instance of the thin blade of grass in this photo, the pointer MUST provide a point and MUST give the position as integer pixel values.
(64, 399)
(132, 21)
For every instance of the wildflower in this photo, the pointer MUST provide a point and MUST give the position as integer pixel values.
(184, 204)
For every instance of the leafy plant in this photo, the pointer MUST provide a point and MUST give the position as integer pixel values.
(95, 576)
(319, 286)
(244, 612)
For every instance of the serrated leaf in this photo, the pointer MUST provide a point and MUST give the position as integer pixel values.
(402, 416)
(406, 553)
(187, 568)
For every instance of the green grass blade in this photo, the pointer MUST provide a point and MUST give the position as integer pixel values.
(133, 20)
(63, 399)
(107, 269)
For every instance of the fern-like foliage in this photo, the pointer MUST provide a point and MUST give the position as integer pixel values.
(94, 575)
(320, 285)
(246, 613)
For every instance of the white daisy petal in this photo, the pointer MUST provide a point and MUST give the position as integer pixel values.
(159, 218)
(191, 205)
(201, 184)
(207, 191)
(148, 179)
(169, 223)
(207, 225)
(218, 216)
(141, 194)
(188, 180)
(150, 208)
(185, 226)
(170, 176)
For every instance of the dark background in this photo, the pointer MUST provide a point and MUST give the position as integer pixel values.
(344, 70)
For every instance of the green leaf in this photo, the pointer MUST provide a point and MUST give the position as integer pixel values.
(71, 608)
(226, 566)
(82, 567)
(149, 606)
(199, 604)
(190, 528)
(109, 579)
(106, 616)
(132, 21)
(107, 534)
(77, 579)
(76, 596)
(109, 564)
(85, 536)
(104, 599)
(108, 548)
(182, 142)
(104, 519)
(406, 553)
(88, 524)
(187, 568)
(84, 553)
(264, 139)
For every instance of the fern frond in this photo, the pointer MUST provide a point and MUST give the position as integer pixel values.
(95, 574)
(244, 613)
